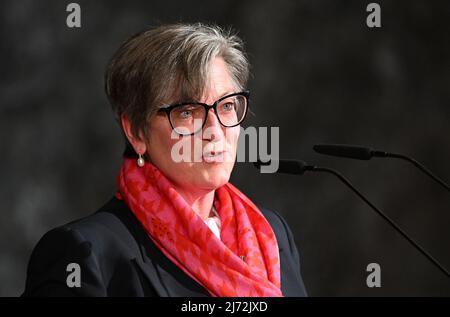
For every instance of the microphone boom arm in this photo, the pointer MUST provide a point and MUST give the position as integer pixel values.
(415, 163)
(380, 213)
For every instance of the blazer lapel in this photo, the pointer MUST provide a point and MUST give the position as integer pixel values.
(151, 274)
(165, 275)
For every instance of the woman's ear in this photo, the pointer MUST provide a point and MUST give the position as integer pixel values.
(137, 142)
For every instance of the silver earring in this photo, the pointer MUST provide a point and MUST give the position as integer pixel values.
(140, 160)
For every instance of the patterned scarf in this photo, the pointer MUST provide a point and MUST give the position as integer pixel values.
(244, 262)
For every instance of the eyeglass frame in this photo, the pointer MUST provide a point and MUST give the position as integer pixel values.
(168, 109)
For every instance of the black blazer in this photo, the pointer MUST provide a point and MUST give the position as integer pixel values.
(117, 258)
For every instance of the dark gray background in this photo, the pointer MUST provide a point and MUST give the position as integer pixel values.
(319, 73)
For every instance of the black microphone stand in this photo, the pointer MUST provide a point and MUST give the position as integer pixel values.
(298, 167)
(415, 163)
(366, 153)
(379, 212)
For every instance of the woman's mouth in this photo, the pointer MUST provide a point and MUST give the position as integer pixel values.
(214, 157)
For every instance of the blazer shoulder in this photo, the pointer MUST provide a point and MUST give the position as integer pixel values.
(97, 243)
(58, 252)
(112, 230)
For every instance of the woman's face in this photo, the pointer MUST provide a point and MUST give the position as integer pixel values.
(204, 170)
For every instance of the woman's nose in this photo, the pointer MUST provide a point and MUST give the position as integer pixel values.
(212, 129)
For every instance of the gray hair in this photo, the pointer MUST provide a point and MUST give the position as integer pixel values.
(167, 64)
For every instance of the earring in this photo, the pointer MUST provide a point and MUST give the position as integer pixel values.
(140, 160)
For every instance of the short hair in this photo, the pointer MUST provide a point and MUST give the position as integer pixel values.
(167, 64)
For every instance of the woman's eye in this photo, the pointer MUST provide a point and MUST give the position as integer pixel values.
(186, 114)
(229, 106)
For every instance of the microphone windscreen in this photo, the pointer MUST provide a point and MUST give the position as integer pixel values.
(350, 151)
(296, 167)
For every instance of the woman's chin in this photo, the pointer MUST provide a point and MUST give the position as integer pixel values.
(213, 177)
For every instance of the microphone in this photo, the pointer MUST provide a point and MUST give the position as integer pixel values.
(295, 167)
(298, 167)
(365, 153)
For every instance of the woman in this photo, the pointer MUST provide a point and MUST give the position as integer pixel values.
(175, 226)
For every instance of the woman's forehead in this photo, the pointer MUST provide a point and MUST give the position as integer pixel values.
(210, 94)
(217, 84)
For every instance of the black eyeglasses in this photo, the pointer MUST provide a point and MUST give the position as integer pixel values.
(188, 118)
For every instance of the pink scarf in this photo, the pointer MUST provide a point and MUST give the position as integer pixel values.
(244, 262)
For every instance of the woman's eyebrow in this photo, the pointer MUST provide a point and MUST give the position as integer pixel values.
(165, 105)
(225, 94)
